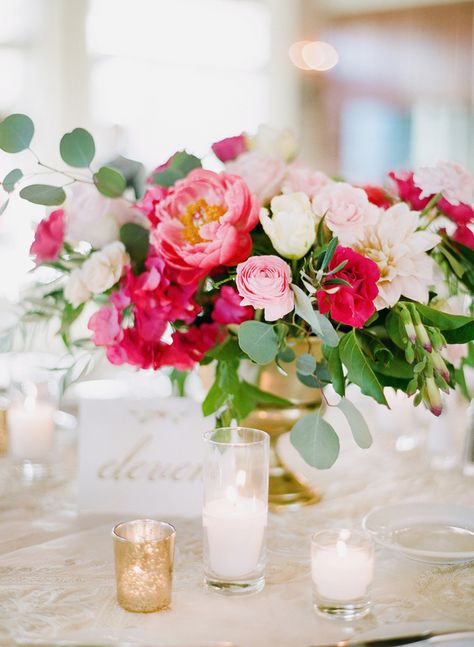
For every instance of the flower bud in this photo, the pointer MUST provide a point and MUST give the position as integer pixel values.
(440, 366)
(432, 397)
(409, 354)
(421, 333)
(408, 323)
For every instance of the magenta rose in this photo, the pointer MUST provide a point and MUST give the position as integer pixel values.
(353, 305)
(227, 308)
(230, 148)
(49, 237)
(204, 222)
(265, 282)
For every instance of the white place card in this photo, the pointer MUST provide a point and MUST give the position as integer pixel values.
(139, 455)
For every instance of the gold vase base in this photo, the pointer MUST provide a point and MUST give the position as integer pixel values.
(287, 491)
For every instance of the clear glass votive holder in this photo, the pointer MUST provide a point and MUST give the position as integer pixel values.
(144, 553)
(235, 509)
(342, 569)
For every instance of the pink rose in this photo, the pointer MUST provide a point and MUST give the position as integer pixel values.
(299, 178)
(49, 237)
(204, 222)
(407, 190)
(230, 148)
(262, 173)
(264, 282)
(105, 324)
(450, 179)
(347, 208)
(227, 308)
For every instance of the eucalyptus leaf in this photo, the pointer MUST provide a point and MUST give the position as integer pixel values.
(49, 196)
(286, 355)
(16, 133)
(359, 427)
(306, 364)
(259, 340)
(358, 368)
(4, 206)
(109, 182)
(316, 441)
(185, 162)
(320, 325)
(11, 179)
(137, 243)
(167, 177)
(77, 148)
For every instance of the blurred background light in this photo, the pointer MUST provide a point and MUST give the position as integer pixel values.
(319, 56)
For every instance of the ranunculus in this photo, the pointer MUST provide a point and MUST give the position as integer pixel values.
(204, 222)
(450, 179)
(49, 237)
(103, 269)
(292, 228)
(304, 179)
(353, 305)
(347, 210)
(229, 148)
(105, 325)
(227, 308)
(464, 235)
(274, 142)
(264, 282)
(461, 214)
(377, 195)
(407, 190)
(75, 291)
(263, 173)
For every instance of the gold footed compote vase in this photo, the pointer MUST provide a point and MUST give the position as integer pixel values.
(286, 488)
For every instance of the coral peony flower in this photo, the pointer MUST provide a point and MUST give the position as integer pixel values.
(274, 142)
(464, 235)
(264, 282)
(400, 253)
(377, 195)
(347, 210)
(408, 191)
(292, 228)
(105, 324)
(304, 179)
(49, 237)
(227, 308)
(353, 305)
(230, 148)
(148, 204)
(204, 222)
(450, 179)
(263, 173)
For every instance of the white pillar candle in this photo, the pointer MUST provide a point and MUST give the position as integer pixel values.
(30, 429)
(235, 530)
(342, 572)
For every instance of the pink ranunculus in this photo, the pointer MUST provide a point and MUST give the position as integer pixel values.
(264, 282)
(105, 324)
(227, 308)
(347, 209)
(453, 181)
(299, 178)
(230, 148)
(461, 214)
(263, 173)
(49, 237)
(464, 235)
(353, 305)
(205, 222)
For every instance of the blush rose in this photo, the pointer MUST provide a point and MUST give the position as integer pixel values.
(265, 282)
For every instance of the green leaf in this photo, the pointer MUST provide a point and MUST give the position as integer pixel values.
(310, 381)
(137, 243)
(329, 253)
(396, 329)
(336, 372)
(358, 368)
(228, 350)
(259, 341)
(394, 367)
(11, 179)
(263, 397)
(442, 320)
(167, 177)
(286, 355)
(316, 441)
(4, 206)
(457, 267)
(461, 335)
(306, 364)
(359, 428)
(77, 148)
(16, 133)
(320, 325)
(49, 196)
(227, 377)
(185, 162)
(214, 399)
(109, 182)
(69, 316)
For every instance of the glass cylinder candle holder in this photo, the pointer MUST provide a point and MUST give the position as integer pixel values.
(144, 553)
(342, 568)
(235, 509)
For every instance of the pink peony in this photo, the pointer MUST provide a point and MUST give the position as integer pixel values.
(347, 210)
(299, 178)
(464, 235)
(105, 324)
(230, 148)
(227, 308)
(450, 179)
(264, 282)
(353, 305)
(408, 191)
(263, 173)
(148, 204)
(204, 222)
(49, 237)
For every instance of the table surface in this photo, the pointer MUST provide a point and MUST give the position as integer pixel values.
(57, 576)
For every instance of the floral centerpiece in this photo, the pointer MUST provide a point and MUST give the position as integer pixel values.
(238, 265)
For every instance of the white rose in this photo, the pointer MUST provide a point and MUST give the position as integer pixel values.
(103, 269)
(281, 143)
(292, 229)
(75, 291)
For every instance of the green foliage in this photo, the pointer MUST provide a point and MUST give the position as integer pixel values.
(49, 196)
(109, 182)
(181, 164)
(286, 355)
(77, 148)
(320, 325)
(358, 367)
(4, 206)
(359, 428)
(68, 317)
(305, 364)
(11, 179)
(16, 133)
(137, 243)
(336, 372)
(259, 341)
(316, 441)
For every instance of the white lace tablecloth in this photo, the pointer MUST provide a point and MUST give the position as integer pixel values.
(57, 575)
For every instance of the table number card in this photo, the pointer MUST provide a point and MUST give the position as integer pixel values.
(139, 455)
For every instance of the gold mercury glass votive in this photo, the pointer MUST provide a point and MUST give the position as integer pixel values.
(144, 551)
